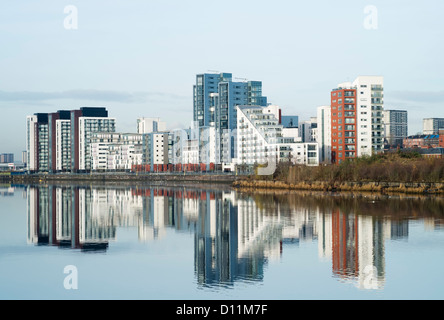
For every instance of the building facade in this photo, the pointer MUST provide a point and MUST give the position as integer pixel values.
(6, 158)
(60, 141)
(343, 124)
(156, 149)
(324, 133)
(395, 127)
(357, 118)
(260, 140)
(37, 142)
(215, 99)
(422, 141)
(432, 125)
(115, 151)
(84, 123)
(148, 125)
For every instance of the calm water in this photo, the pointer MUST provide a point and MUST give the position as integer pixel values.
(152, 242)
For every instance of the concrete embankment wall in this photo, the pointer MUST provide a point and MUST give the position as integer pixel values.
(116, 178)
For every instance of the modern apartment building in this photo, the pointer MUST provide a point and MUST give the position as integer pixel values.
(308, 130)
(395, 127)
(193, 146)
(432, 125)
(60, 141)
(148, 125)
(215, 99)
(343, 124)
(324, 133)
(63, 145)
(204, 96)
(115, 151)
(260, 140)
(37, 142)
(155, 150)
(6, 158)
(59, 127)
(356, 118)
(84, 123)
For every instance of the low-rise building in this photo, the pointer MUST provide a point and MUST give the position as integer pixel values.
(421, 141)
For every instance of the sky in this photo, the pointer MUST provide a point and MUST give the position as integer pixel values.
(139, 58)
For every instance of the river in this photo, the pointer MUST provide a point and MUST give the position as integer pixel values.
(196, 242)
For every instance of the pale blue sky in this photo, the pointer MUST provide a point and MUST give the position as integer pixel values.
(139, 58)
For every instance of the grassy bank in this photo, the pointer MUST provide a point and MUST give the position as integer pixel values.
(399, 173)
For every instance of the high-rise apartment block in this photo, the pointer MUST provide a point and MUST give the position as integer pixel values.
(215, 99)
(395, 127)
(324, 133)
(356, 118)
(6, 158)
(61, 141)
(84, 123)
(37, 143)
(432, 125)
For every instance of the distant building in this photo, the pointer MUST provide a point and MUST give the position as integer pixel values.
(308, 130)
(441, 138)
(432, 125)
(324, 133)
(24, 158)
(422, 141)
(6, 158)
(395, 127)
(290, 121)
(148, 125)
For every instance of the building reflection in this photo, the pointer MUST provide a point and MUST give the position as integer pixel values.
(235, 235)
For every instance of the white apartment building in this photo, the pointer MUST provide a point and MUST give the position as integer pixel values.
(31, 163)
(124, 156)
(115, 151)
(207, 145)
(63, 145)
(148, 125)
(305, 153)
(260, 139)
(323, 137)
(87, 127)
(156, 148)
(369, 117)
(432, 125)
(196, 145)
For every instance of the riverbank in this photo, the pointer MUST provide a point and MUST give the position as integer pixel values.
(377, 187)
(118, 178)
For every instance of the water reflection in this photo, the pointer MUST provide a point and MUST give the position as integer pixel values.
(235, 234)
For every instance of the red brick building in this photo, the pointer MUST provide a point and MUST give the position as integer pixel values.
(343, 124)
